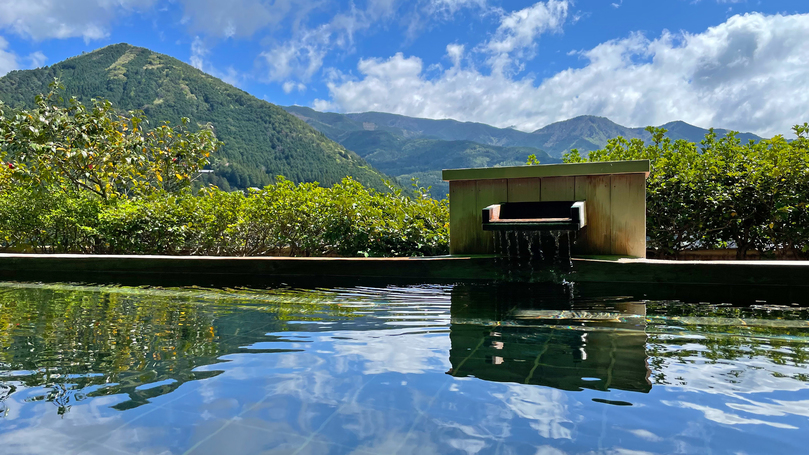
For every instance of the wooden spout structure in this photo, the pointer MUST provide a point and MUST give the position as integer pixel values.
(535, 216)
(614, 193)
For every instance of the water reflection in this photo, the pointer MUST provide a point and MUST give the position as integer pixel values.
(425, 369)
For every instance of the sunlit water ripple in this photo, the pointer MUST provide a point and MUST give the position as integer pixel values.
(421, 369)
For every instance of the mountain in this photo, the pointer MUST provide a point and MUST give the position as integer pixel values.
(424, 158)
(333, 125)
(397, 151)
(691, 133)
(261, 139)
(585, 133)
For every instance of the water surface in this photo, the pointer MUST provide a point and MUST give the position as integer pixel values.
(422, 369)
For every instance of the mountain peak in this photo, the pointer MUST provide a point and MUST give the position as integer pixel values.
(261, 140)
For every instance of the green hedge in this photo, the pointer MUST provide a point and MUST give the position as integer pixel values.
(722, 193)
(301, 220)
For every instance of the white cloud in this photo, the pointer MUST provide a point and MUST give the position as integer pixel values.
(294, 49)
(8, 59)
(748, 73)
(199, 52)
(515, 38)
(290, 86)
(243, 18)
(450, 7)
(301, 57)
(37, 59)
(43, 19)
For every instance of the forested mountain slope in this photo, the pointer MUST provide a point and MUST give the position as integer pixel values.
(403, 154)
(261, 140)
(585, 133)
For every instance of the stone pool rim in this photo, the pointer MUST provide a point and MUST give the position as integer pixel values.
(424, 269)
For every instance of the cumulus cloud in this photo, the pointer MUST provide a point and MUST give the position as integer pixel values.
(450, 7)
(8, 59)
(243, 18)
(515, 38)
(301, 56)
(747, 74)
(298, 58)
(37, 59)
(43, 19)
(294, 49)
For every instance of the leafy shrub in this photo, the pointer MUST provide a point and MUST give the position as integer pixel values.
(79, 179)
(722, 193)
(285, 218)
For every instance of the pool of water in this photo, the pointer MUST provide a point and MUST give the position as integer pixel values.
(396, 370)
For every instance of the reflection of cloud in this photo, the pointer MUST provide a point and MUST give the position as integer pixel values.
(777, 408)
(621, 451)
(723, 417)
(646, 435)
(545, 409)
(469, 446)
(396, 350)
(41, 431)
(548, 450)
(725, 378)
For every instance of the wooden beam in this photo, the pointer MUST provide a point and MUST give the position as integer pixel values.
(549, 170)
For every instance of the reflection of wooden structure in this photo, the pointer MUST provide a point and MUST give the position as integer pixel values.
(544, 355)
(544, 337)
(615, 193)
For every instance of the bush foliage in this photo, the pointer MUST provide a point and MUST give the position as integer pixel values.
(281, 219)
(77, 179)
(722, 193)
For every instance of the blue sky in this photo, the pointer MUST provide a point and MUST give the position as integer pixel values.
(725, 63)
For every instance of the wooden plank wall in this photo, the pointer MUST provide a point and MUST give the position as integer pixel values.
(616, 210)
(628, 214)
(523, 190)
(558, 188)
(596, 237)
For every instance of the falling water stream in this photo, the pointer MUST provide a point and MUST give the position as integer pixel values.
(534, 256)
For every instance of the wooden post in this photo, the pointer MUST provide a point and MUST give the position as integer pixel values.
(628, 215)
(596, 237)
(462, 216)
(488, 192)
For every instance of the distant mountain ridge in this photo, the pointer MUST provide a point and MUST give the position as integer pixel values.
(261, 140)
(585, 133)
(407, 153)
